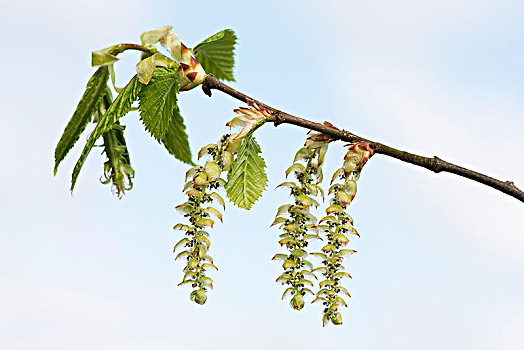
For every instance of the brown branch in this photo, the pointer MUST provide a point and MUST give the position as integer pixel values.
(434, 164)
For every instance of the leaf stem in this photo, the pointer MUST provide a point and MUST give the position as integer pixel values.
(434, 164)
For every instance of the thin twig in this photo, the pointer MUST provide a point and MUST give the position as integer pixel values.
(434, 164)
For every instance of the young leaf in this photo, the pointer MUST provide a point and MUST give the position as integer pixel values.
(120, 106)
(153, 36)
(86, 108)
(158, 101)
(175, 139)
(247, 178)
(215, 54)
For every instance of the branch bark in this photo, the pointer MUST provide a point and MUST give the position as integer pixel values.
(434, 164)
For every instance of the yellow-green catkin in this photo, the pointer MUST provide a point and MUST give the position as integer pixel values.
(201, 187)
(337, 227)
(298, 224)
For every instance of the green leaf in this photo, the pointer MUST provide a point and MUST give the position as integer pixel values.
(175, 140)
(86, 108)
(215, 54)
(118, 108)
(247, 178)
(158, 101)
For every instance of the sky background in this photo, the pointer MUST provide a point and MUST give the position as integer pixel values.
(440, 261)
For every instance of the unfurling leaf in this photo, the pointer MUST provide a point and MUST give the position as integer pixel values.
(106, 56)
(153, 36)
(247, 178)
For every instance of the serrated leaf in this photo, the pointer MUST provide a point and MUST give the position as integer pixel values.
(84, 111)
(216, 54)
(158, 101)
(120, 106)
(247, 178)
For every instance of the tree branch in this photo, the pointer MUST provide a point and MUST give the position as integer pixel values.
(434, 164)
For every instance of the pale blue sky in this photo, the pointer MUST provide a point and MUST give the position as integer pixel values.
(440, 260)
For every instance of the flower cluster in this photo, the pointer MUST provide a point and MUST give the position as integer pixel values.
(337, 226)
(201, 191)
(298, 224)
